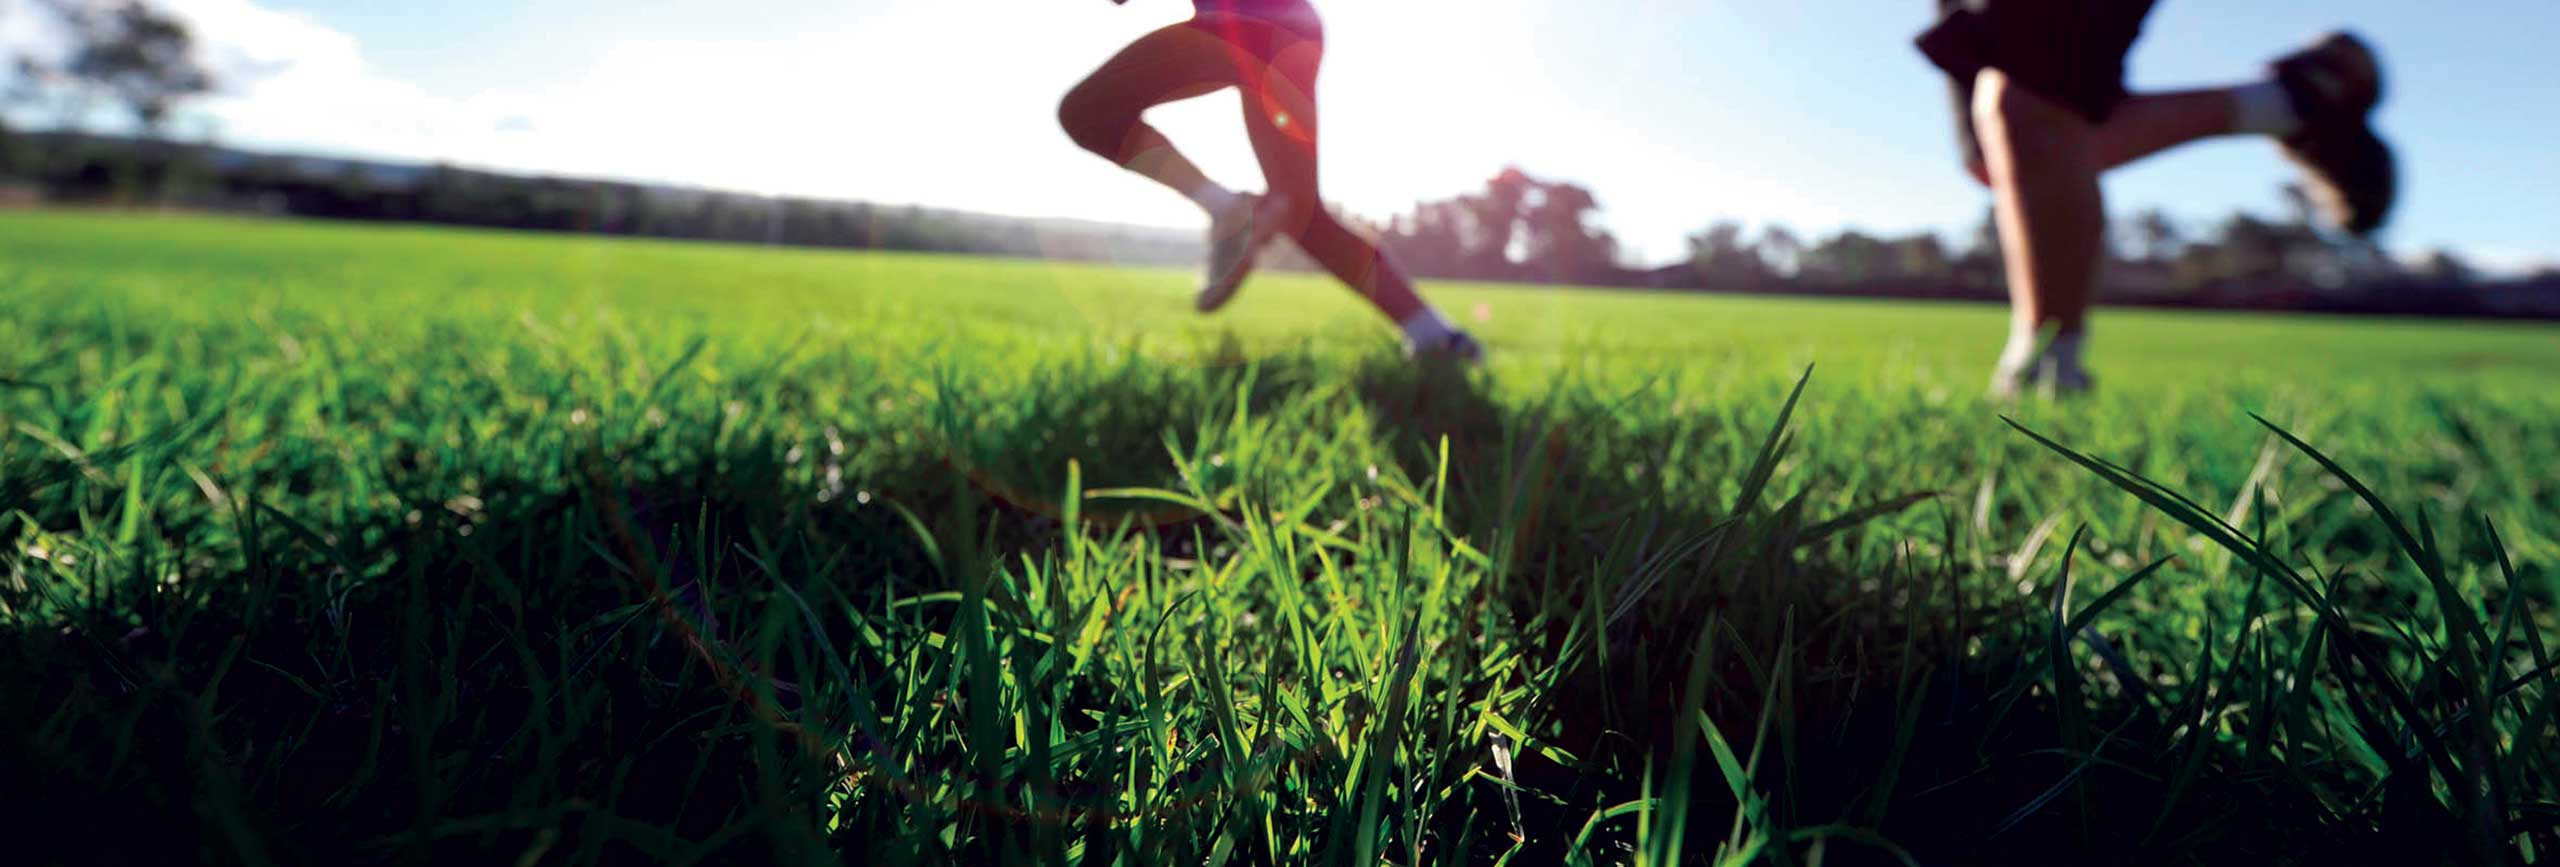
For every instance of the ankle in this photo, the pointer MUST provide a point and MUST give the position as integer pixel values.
(2066, 348)
(2024, 339)
(1426, 327)
(1213, 198)
(2264, 108)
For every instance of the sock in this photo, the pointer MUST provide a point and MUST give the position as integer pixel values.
(2264, 108)
(1427, 328)
(1213, 198)
(2021, 350)
(2065, 350)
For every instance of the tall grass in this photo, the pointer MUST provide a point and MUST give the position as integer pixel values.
(328, 544)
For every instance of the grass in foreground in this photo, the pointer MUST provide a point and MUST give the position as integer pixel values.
(399, 545)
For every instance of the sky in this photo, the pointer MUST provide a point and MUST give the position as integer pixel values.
(1678, 113)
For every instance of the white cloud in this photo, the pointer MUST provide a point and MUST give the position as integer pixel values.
(17, 28)
(871, 113)
(24, 33)
(291, 81)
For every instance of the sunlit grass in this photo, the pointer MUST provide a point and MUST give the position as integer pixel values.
(380, 544)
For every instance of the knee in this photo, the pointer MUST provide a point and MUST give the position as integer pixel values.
(2011, 112)
(1093, 122)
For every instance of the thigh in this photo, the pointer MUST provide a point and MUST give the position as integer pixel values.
(1276, 68)
(1170, 64)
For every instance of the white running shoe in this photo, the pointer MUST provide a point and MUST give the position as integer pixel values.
(1236, 236)
(2041, 374)
(2011, 379)
(1454, 347)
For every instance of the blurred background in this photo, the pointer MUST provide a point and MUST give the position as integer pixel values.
(1705, 146)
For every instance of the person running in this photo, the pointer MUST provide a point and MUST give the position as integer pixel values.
(2042, 111)
(1270, 50)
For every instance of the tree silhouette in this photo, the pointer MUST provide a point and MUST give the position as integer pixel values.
(1981, 263)
(2445, 266)
(1496, 221)
(1922, 257)
(1782, 251)
(1724, 261)
(1846, 259)
(1563, 244)
(1520, 227)
(137, 56)
(2156, 236)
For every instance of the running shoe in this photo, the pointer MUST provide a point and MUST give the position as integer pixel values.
(1453, 347)
(2335, 85)
(1236, 236)
(2041, 375)
(2010, 381)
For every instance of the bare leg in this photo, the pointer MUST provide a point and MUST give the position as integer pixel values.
(1104, 113)
(2043, 162)
(1280, 117)
(2150, 123)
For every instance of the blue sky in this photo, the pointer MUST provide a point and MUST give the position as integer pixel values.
(1678, 114)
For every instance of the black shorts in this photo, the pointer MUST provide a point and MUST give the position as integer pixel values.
(2071, 51)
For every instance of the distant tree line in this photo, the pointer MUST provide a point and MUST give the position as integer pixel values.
(73, 168)
(1521, 228)
(132, 60)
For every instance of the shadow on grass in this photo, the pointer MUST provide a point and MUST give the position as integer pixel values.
(1896, 702)
(617, 664)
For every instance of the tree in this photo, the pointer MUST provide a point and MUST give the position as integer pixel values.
(1495, 221)
(2252, 250)
(1980, 266)
(2311, 255)
(12, 152)
(1433, 240)
(1781, 252)
(2447, 267)
(1723, 261)
(1922, 257)
(1519, 227)
(1846, 260)
(2156, 236)
(127, 52)
(1562, 244)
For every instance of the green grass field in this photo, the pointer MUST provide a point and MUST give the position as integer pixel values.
(361, 544)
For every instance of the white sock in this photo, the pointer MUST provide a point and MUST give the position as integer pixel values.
(1427, 328)
(2021, 350)
(1213, 198)
(2264, 108)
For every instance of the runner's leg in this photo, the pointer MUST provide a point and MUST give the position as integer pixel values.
(1105, 113)
(2051, 214)
(2036, 82)
(2147, 124)
(1280, 117)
